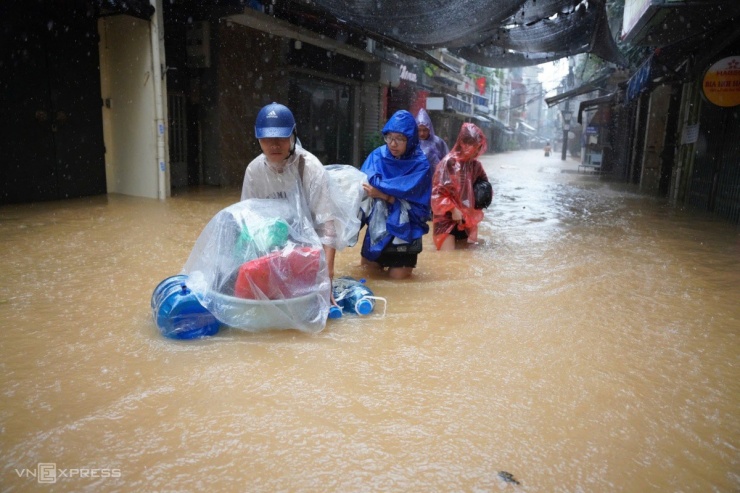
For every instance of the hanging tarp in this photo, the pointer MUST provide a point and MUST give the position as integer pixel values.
(493, 33)
(569, 32)
(424, 23)
(497, 57)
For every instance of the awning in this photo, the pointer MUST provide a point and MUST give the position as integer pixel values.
(584, 88)
(500, 125)
(528, 127)
(483, 121)
(608, 99)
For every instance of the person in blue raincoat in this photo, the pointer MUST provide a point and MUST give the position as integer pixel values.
(400, 184)
(432, 145)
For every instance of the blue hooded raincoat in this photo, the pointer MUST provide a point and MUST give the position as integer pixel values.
(408, 179)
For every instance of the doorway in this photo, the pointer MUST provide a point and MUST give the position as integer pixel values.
(51, 134)
(323, 118)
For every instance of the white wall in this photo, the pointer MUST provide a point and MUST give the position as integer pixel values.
(129, 124)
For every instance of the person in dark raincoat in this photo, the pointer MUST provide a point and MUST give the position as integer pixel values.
(432, 145)
(453, 199)
(399, 182)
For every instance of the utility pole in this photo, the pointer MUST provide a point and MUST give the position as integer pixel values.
(566, 129)
(539, 110)
(569, 83)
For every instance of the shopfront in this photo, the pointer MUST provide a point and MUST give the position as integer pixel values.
(322, 88)
(410, 95)
(323, 114)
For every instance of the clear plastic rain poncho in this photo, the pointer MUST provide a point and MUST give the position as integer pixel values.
(260, 264)
(350, 198)
(434, 147)
(326, 196)
(452, 185)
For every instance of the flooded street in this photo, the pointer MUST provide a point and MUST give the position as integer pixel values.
(588, 343)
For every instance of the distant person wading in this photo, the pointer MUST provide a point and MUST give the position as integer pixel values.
(432, 145)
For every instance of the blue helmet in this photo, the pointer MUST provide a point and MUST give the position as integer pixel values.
(274, 120)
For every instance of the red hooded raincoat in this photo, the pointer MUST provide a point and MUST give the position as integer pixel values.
(452, 185)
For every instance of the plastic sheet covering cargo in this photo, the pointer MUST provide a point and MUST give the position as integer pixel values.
(258, 266)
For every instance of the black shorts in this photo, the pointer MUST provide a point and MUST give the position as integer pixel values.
(459, 234)
(397, 259)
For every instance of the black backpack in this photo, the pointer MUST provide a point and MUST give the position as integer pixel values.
(483, 192)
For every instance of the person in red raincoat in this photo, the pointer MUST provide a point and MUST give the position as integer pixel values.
(453, 201)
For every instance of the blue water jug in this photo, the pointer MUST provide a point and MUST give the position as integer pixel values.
(178, 313)
(353, 296)
(335, 312)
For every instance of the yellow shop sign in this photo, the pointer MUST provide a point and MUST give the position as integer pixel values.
(721, 82)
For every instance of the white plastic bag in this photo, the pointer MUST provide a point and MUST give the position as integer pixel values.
(377, 227)
(351, 202)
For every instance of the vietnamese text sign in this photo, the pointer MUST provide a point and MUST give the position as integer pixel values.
(721, 82)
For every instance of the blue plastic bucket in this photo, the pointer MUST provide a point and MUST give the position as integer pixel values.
(178, 313)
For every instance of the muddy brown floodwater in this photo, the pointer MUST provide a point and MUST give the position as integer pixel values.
(588, 343)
